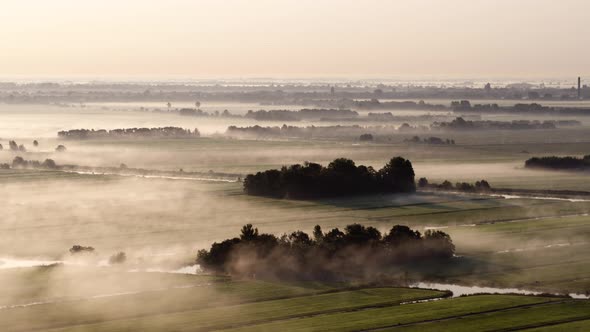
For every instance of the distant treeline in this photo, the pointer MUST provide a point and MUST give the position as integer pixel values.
(304, 114)
(431, 140)
(20, 163)
(169, 132)
(376, 104)
(559, 163)
(304, 132)
(320, 114)
(341, 178)
(15, 147)
(462, 124)
(465, 106)
(356, 250)
(478, 186)
(276, 115)
(389, 117)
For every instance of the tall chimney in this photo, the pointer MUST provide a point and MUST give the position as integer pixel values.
(579, 88)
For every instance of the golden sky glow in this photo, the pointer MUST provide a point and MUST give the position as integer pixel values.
(298, 38)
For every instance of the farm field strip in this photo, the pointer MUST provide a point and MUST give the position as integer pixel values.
(580, 325)
(404, 314)
(206, 316)
(510, 319)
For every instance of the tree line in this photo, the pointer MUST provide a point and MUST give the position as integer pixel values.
(306, 113)
(433, 140)
(257, 131)
(462, 124)
(324, 255)
(464, 106)
(554, 162)
(342, 177)
(174, 132)
(478, 186)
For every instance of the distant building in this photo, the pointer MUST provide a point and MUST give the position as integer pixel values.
(579, 88)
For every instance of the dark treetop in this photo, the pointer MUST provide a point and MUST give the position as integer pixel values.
(356, 250)
(341, 178)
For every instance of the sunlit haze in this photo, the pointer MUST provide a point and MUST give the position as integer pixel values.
(296, 38)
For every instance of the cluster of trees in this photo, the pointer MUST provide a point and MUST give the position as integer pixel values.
(15, 147)
(366, 137)
(431, 140)
(198, 112)
(274, 115)
(324, 255)
(388, 116)
(306, 113)
(20, 162)
(117, 258)
(294, 131)
(174, 132)
(553, 162)
(21, 148)
(478, 186)
(376, 104)
(464, 106)
(78, 249)
(337, 131)
(462, 124)
(341, 178)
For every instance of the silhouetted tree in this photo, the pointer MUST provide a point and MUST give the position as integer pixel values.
(318, 235)
(423, 183)
(13, 146)
(248, 233)
(118, 258)
(398, 175)
(49, 163)
(18, 162)
(399, 235)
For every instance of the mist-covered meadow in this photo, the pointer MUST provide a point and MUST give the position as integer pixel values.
(160, 222)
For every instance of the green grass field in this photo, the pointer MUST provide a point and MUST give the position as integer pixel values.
(172, 302)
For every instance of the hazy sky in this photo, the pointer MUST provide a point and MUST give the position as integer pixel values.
(295, 38)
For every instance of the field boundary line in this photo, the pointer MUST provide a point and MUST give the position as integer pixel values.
(554, 323)
(238, 303)
(324, 312)
(466, 315)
